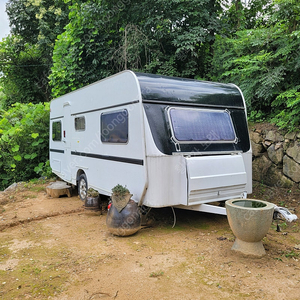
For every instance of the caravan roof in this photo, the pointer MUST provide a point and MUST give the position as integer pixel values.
(164, 89)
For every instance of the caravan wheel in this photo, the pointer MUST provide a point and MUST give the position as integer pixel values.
(82, 187)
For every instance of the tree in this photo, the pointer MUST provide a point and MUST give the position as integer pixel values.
(26, 56)
(22, 67)
(265, 63)
(103, 37)
(239, 15)
(182, 33)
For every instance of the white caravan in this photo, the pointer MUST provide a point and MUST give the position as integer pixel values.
(171, 141)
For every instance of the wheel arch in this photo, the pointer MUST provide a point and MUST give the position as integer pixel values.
(79, 172)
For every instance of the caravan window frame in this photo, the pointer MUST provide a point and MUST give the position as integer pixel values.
(76, 123)
(54, 134)
(114, 125)
(211, 136)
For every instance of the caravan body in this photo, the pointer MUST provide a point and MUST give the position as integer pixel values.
(171, 141)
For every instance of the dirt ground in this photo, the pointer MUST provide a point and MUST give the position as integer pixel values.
(55, 249)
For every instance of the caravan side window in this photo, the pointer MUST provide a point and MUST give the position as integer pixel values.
(56, 131)
(114, 127)
(80, 124)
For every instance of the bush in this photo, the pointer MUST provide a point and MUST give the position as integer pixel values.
(24, 146)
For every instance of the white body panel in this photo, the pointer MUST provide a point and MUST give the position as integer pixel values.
(213, 178)
(155, 179)
(91, 102)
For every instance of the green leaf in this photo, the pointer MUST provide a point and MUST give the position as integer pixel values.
(17, 157)
(15, 148)
(33, 155)
(34, 135)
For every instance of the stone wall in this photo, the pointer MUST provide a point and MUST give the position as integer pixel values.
(276, 156)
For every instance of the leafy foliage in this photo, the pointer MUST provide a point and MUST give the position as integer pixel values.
(23, 78)
(23, 142)
(166, 37)
(265, 63)
(26, 55)
(120, 190)
(82, 52)
(75, 43)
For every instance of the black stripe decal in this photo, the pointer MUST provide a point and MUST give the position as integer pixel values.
(107, 107)
(113, 158)
(57, 150)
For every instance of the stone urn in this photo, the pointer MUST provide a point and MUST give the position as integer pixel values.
(250, 220)
(125, 222)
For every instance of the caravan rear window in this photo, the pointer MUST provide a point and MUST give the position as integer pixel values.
(114, 127)
(56, 131)
(201, 125)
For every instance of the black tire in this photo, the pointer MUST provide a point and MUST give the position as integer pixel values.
(82, 187)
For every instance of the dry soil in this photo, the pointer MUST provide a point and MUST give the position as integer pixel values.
(55, 249)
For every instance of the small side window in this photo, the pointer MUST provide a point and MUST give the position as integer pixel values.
(80, 124)
(114, 127)
(56, 131)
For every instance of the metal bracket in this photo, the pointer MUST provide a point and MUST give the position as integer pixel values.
(177, 145)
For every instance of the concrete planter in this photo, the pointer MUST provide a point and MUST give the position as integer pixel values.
(250, 220)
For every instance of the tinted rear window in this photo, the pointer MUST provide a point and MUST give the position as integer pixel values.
(200, 125)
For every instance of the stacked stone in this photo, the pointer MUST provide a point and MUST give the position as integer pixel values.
(276, 157)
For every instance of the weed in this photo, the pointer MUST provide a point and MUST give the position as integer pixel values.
(37, 189)
(200, 258)
(278, 258)
(291, 254)
(37, 271)
(156, 274)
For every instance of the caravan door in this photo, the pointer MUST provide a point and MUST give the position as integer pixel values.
(60, 143)
(66, 139)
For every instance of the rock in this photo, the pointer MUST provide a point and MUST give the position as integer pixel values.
(58, 188)
(257, 149)
(260, 168)
(275, 156)
(267, 144)
(274, 177)
(286, 144)
(294, 152)
(291, 169)
(271, 136)
(290, 136)
(255, 137)
(278, 145)
(12, 187)
(274, 136)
